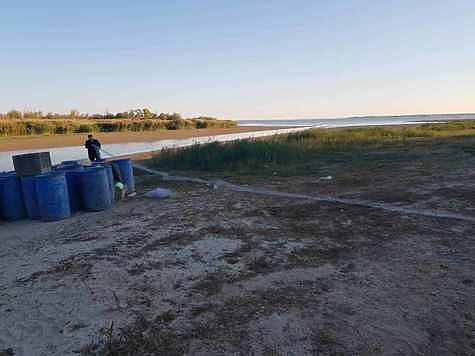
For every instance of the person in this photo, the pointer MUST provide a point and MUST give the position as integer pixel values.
(93, 148)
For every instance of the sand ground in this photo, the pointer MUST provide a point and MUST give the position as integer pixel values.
(36, 142)
(216, 272)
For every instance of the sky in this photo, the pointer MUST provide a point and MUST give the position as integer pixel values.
(239, 59)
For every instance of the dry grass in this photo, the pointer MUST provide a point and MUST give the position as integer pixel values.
(143, 337)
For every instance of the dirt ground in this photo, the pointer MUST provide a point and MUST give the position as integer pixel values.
(36, 142)
(218, 272)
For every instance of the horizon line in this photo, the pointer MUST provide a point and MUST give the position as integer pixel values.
(356, 116)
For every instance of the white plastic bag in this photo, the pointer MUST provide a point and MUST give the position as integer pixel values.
(159, 193)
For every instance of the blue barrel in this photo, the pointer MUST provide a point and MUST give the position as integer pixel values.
(127, 173)
(110, 175)
(30, 197)
(53, 198)
(94, 188)
(70, 163)
(66, 165)
(11, 197)
(73, 181)
(2, 174)
(99, 161)
(110, 178)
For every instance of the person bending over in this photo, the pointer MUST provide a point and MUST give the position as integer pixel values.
(93, 148)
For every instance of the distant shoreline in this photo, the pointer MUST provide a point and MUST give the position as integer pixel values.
(54, 141)
(39, 142)
(358, 120)
(457, 116)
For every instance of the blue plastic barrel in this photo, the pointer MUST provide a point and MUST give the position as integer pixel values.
(73, 181)
(2, 174)
(70, 163)
(11, 197)
(94, 188)
(53, 198)
(67, 165)
(30, 197)
(110, 175)
(99, 161)
(127, 173)
(110, 178)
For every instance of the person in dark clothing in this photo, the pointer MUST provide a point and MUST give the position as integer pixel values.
(93, 148)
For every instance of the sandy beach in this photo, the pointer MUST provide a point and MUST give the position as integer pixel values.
(214, 271)
(37, 142)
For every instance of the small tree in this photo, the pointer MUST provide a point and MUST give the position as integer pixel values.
(147, 114)
(14, 114)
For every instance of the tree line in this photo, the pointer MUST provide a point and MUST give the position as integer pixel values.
(16, 123)
(135, 114)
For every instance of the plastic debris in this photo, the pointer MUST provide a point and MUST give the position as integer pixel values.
(119, 191)
(159, 193)
(119, 185)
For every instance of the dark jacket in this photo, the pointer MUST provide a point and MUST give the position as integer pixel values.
(92, 145)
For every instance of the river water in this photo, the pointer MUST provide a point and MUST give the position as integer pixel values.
(119, 149)
(359, 120)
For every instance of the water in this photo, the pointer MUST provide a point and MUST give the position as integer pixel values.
(79, 153)
(119, 149)
(359, 121)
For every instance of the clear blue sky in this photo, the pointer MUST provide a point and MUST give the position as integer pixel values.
(239, 59)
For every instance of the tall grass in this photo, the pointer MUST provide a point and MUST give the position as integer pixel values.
(299, 147)
(16, 123)
(216, 155)
(55, 127)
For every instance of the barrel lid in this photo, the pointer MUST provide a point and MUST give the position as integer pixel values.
(50, 175)
(8, 175)
(100, 163)
(89, 169)
(66, 168)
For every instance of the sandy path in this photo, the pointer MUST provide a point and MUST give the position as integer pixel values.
(36, 142)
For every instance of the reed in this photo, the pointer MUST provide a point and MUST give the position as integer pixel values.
(15, 123)
(300, 147)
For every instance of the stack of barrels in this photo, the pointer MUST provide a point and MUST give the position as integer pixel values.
(68, 188)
